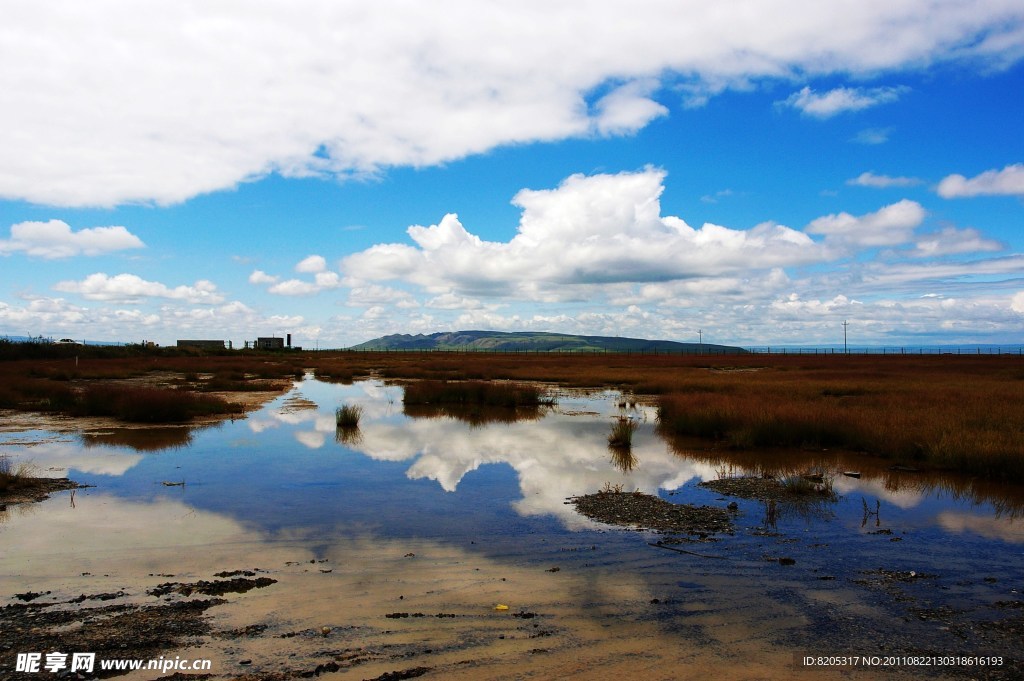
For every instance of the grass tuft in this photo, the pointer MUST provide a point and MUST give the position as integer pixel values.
(621, 436)
(347, 416)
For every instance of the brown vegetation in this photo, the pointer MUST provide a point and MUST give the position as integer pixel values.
(481, 393)
(954, 412)
(951, 412)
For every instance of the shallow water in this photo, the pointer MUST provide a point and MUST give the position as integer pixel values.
(455, 515)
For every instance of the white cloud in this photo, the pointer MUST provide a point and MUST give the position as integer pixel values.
(130, 288)
(55, 239)
(327, 280)
(889, 226)
(214, 95)
(869, 179)
(628, 108)
(1017, 302)
(312, 264)
(157, 318)
(294, 287)
(450, 301)
(589, 231)
(951, 241)
(1009, 181)
(323, 279)
(261, 277)
(839, 100)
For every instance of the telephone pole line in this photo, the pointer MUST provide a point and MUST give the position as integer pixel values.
(845, 350)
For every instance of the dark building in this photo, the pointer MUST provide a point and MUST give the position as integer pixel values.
(271, 343)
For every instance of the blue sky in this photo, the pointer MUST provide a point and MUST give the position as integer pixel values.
(761, 171)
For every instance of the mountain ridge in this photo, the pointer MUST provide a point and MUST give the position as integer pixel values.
(538, 341)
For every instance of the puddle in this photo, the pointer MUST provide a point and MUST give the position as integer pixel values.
(400, 539)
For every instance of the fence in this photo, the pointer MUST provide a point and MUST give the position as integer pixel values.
(1015, 350)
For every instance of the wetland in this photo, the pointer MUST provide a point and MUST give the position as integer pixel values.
(452, 541)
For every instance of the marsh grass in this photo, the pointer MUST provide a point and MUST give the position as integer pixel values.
(347, 416)
(481, 393)
(147, 405)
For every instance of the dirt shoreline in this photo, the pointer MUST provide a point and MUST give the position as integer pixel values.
(31, 490)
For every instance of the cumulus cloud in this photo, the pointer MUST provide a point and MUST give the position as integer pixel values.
(316, 87)
(839, 100)
(869, 179)
(55, 239)
(1009, 182)
(130, 288)
(590, 230)
(889, 226)
(312, 264)
(323, 279)
(261, 277)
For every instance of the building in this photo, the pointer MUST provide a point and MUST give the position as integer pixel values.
(202, 344)
(271, 343)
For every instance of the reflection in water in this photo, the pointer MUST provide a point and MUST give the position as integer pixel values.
(868, 513)
(623, 457)
(903, 488)
(350, 436)
(474, 414)
(142, 439)
(771, 516)
(58, 459)
(986, 526)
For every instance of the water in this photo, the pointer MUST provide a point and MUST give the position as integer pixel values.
(455, 515)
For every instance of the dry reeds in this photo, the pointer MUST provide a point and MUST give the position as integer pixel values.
(12, 476)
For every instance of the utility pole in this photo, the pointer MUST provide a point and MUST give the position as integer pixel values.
(700, 336)
(845, 350)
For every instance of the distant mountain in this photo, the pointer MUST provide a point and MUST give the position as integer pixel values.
(536, 341)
